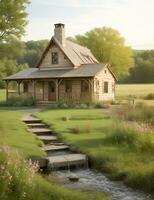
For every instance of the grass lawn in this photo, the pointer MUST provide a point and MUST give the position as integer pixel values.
(13, 133)
(87, 130)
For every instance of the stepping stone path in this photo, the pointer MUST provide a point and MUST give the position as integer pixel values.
(59, 155)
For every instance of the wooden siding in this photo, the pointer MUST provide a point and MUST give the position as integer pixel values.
(104, 76)
(96, 88)
(63, 60)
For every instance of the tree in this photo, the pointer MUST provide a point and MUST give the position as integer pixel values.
(12, 18)
(12, 23)
(107, 45)
(9, 67)
(143, 72)
(12, 49)
(33, 51)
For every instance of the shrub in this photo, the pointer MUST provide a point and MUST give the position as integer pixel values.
(20, 101)
(101, 105)
(74, 130)
(149, 96)
(83, 105)
(65, 118)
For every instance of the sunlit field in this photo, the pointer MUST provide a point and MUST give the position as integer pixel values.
(135, 91)
(138, 90)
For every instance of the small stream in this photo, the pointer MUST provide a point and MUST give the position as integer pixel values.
(96, 181)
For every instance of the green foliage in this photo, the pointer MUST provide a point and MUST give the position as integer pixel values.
(33, 51)
(149, 96)
(15, 134)
(12, 18)
(20, 101)
(143, 72)
(16, 175)
(9, 67)
(121, 135)
(108, 45)
(12, 49)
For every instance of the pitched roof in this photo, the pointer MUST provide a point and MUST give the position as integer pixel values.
(77, 54)
(87, 70)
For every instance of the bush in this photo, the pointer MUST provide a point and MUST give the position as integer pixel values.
(149, 96)
(65, 118)
(83, 106)
(16, 175)
(74, 130)
(101, 105)
(20, 101)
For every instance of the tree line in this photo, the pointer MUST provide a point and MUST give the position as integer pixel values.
(107, 45)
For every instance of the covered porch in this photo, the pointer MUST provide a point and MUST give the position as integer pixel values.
(53, 90)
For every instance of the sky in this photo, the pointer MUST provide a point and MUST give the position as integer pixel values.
(134, 19)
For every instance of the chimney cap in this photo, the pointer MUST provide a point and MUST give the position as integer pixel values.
(59, 25)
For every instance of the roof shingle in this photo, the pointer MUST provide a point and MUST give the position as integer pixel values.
(88, 70)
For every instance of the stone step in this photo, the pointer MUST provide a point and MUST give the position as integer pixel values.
(40, 131)
(53, 147)
(67, 161)
(30, 119)
(48, 138)
(37, 125)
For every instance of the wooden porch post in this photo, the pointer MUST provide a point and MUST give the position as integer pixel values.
(7, 88)
(91, 89)
(57, 90)
(19, 82)
(34, 90)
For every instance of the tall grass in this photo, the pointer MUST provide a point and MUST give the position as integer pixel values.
(16, 175)
(121, 134)
(139, 113)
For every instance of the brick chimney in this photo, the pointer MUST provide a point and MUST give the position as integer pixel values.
(59, 33)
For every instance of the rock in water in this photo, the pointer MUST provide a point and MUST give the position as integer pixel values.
(73, 177)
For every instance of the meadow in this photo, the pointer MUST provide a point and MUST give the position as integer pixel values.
(121, 151)
(138, 90)
(128, 92)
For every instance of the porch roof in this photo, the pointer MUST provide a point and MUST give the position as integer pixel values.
(88, 70)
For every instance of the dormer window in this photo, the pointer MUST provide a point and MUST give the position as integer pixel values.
(54, 58)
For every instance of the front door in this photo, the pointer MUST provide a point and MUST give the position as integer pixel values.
(52, 91)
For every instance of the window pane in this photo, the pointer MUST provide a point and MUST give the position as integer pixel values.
(68, 86)
(25, 87)
(106, 87)
(54, 56)
(84, 86)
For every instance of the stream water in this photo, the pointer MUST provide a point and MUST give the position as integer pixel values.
(96, 181)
